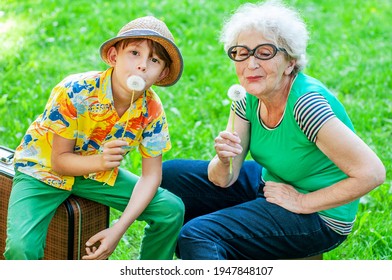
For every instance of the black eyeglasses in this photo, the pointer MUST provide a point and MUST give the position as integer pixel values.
(263, 52)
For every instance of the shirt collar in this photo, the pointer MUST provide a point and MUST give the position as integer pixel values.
(105, 94)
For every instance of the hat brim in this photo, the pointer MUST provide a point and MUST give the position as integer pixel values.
(177, 64)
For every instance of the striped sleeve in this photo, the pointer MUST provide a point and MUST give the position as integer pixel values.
(240, 108)
(343, 228)
(312, 111)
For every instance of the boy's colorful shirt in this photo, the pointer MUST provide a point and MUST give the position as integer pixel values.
(81, 108)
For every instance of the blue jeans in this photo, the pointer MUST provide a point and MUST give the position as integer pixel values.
(237, 222)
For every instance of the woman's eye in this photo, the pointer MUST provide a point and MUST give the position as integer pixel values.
(243, 53)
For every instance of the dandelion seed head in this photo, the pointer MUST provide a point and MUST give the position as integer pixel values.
(236, 92)
(136, 83)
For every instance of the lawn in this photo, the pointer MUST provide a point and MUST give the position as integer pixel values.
(350, 51)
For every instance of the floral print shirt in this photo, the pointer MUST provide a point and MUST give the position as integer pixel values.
(81, 108)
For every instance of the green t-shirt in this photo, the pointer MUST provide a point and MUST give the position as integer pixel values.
(288, 152)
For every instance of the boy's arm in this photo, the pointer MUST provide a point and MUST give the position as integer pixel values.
(66, 162)
(143, 192)
(142, 195)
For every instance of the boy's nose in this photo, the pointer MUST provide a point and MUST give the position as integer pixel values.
(142, 64)
(142, 67)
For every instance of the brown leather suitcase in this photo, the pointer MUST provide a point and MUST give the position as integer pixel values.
(75, 221)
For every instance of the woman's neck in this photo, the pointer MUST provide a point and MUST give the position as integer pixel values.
(272, 107)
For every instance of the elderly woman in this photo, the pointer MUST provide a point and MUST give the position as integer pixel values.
(299, 197)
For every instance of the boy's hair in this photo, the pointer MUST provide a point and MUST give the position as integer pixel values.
(162, 43)
(159, 50)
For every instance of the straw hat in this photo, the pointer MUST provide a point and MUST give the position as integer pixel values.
(150, 28)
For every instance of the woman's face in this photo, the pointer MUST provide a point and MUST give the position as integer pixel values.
(262, 77)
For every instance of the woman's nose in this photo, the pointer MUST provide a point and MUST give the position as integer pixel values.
(253, 62)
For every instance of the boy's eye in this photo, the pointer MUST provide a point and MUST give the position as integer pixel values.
(135, 52)
(155, 60)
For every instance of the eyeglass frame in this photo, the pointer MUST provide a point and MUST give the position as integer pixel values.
(253, 51)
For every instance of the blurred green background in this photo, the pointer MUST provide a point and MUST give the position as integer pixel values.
(41, 42)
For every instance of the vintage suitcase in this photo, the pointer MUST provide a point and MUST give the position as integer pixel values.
(75, 221)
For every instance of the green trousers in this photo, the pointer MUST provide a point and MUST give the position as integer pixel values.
(33, 204)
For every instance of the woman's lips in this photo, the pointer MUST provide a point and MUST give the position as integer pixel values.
(253, 78)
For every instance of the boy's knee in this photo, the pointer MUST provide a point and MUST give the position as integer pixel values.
(173, 209)
(176, 207)
(20, 249)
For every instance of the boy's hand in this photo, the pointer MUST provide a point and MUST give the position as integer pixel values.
(112, 154)
(101, 245)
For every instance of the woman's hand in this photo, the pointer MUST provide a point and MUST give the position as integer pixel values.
(227, 145)
(285, 196)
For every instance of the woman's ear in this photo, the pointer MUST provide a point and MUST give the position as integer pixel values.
(290, 67)
(112, 56)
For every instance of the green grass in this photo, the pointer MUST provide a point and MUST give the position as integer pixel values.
(43, 41)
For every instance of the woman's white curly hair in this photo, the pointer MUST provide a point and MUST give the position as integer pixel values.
(279, 23)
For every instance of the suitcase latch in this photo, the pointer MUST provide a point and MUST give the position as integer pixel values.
(7, 159)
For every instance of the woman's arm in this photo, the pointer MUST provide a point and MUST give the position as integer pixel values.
(229, 145)
(364, 169)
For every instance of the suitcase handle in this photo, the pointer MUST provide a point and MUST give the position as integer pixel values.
(79, 237)
(7, 159)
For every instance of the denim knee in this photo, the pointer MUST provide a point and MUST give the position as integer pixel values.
(198, 242)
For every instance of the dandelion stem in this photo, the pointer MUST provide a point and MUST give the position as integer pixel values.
(232, 130)
(123, 134)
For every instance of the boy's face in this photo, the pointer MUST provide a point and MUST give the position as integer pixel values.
(137, 58)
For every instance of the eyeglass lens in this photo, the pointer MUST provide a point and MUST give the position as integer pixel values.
(264, 52)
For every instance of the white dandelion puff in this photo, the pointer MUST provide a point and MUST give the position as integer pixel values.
(136, 83)
(236, 92)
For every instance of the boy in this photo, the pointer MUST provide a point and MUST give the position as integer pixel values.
(76, 146)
